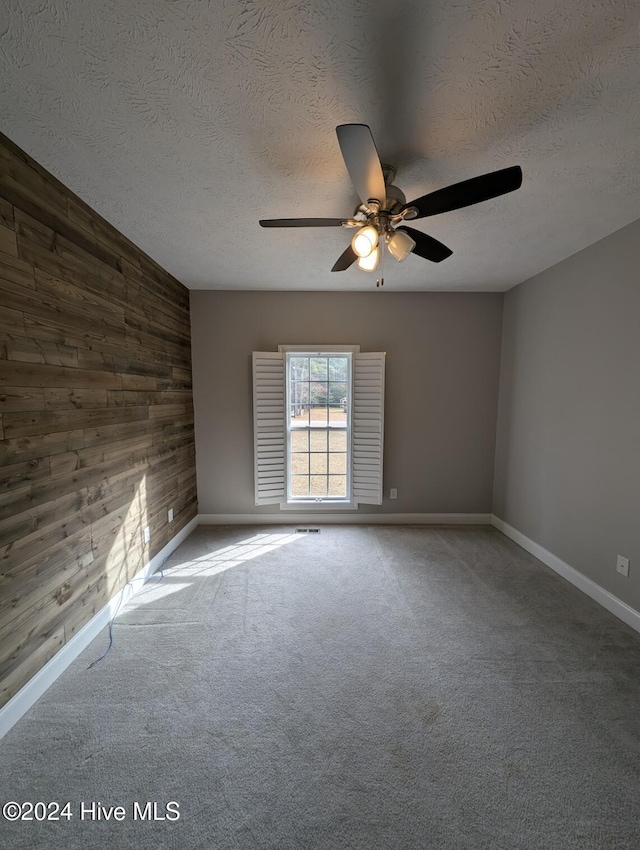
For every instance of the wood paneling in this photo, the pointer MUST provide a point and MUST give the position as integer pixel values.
(96, 414)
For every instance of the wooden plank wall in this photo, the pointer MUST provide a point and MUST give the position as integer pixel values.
(96, 414)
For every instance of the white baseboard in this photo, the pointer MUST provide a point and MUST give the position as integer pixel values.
(21, 702)
(616, 606)
(344, 519)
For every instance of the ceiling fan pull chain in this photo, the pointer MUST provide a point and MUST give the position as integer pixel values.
(380, 280)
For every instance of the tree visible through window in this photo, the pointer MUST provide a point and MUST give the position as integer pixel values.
(318, 425)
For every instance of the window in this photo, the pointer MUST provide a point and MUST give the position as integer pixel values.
(318, 400)
(318, 426)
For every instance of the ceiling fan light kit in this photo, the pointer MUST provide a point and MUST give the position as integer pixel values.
(365, 240)
(370, 262)
(380, 216)
(400, 245)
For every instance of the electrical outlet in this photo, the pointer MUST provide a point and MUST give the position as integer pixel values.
(393, 493)
(170, 515)
(147, 534)
(622, 566)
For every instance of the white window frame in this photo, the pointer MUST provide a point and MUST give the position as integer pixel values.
(323, 502)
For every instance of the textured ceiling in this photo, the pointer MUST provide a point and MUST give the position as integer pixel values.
(185, 121)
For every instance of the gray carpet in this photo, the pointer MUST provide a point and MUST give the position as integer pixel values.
(374, 688)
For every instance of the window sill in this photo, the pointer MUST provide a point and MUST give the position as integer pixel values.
(318, 506)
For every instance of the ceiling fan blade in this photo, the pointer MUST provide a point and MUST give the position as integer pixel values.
(426, 246)
(301, 222)
(347, 258)
(468, 192)
(362, 161)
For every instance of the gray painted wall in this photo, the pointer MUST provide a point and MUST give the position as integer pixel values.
(568, 438)
(443, 356)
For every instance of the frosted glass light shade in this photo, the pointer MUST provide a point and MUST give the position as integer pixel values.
(370, 262)
(364, 241)
(400, 245)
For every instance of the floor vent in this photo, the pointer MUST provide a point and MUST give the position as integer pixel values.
(307, 531)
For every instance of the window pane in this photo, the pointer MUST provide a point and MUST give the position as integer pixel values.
(337, 441)
(299, 464)
(338, 368)
(318, 464)
(318, 485)
(320, 415)
(301, 421)
(319, 370)
(299, 485)
(337, 415)
(338, 463)
(318, 441)
(318, 393)
(299, 400)
(338, 485)
(299, 368)
(299, 441)
(299, 392)
(337, 392)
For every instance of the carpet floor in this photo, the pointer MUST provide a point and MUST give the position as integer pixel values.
(364, 688)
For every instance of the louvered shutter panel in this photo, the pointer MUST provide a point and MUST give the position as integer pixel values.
(368, 426)
(269, 427)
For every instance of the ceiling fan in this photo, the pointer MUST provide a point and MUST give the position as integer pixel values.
(379, 217)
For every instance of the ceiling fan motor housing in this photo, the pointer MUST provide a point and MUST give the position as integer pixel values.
(395, 199)
(395, 196)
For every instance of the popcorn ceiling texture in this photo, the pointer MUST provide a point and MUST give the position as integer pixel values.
(183, 122)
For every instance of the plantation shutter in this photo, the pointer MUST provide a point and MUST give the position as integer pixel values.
(368, 427)
(269, 427)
